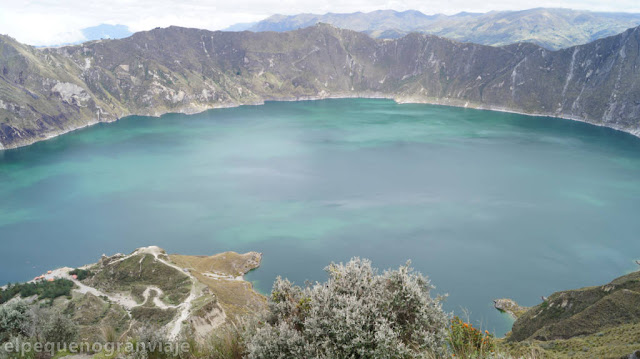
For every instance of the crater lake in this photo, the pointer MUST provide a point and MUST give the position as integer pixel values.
(487, 204)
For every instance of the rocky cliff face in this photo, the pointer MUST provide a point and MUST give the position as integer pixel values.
(45, 92)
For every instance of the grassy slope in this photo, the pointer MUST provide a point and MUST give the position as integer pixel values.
(236, 297)
(592, 322)
(616, 342)
(135, 273)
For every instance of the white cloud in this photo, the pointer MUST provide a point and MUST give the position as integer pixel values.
(44, 22)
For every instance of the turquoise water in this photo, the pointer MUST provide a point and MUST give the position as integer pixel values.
(487, 204)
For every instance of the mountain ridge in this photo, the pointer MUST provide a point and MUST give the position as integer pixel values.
(552, 28)
(46, 92)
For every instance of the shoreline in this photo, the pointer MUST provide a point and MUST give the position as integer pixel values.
(194, 110)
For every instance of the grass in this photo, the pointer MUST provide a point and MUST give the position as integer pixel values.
(616, 342)
(153, 316)
(583, 311)
(237, 298)
(229, 263)
(226, 343)
(137, 272)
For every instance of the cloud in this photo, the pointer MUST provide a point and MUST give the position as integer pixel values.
(46, 22)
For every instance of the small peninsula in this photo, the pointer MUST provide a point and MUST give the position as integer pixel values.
(173, 293)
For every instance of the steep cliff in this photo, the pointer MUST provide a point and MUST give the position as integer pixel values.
(46, 92)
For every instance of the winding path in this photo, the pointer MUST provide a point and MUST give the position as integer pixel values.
(175, 326)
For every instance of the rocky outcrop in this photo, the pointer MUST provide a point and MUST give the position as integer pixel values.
(510, 307)
(46, 92)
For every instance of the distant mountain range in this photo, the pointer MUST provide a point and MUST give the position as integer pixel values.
(99, 32)
(106, 31)
(549, 28)
(46, 92)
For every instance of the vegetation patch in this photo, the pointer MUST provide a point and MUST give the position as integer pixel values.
(357, 313)
(583, 311)
(81, 274)
(236, 297)
(153, 315)
(43, 289)
(617, 342)
(229, 263)
(139, 271)
(467, 341)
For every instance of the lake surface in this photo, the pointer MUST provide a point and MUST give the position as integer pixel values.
(487, 204)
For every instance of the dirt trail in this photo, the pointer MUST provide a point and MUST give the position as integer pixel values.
(127, 302)
(175, 326)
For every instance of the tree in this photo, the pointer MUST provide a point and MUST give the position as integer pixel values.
(357, 313)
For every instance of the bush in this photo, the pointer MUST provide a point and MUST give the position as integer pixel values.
(81, 274)
(13, 319)
(153, 343)
(18, 342)
(357, 313)
(59, 329)
(469, 342)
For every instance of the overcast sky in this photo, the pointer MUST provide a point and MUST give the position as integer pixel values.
(46, 22)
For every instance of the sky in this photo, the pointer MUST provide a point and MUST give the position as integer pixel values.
(50, 22)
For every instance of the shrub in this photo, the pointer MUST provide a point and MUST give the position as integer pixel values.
(469, 342)
(81, 274)
(357, 313)
(151, 342)
(59, 328)
(20, 342)
(47, 324)
(13, 319)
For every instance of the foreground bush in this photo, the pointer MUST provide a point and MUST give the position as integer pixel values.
(21, 323)
(13, 320)
(357, 313)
